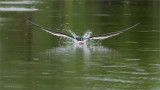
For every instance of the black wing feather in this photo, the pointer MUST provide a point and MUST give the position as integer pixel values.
(53, 32)
(104, 36)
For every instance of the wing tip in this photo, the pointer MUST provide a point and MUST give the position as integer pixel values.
(102, 36)
(26, 19)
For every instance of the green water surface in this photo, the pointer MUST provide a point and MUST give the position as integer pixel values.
(32, 59)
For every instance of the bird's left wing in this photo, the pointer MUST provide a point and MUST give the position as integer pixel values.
(104, 36)
(53, 32)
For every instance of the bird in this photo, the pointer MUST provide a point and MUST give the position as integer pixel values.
(80, 39)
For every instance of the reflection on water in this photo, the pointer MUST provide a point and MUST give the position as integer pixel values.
(100, 65)
(87, 50)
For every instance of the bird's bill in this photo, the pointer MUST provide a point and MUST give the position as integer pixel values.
(80, 42)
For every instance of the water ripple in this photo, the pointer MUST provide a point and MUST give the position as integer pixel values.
(110, 80)
(18, 2)
(2, 19)
(132, 59)
(17, 9)
(101, 15)
(114, 66)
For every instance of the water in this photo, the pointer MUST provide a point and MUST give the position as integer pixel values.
(32, 59)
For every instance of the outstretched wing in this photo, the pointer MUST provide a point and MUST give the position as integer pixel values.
(53, 32)
(104, 36)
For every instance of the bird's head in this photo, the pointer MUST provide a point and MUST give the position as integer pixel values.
(80, 42)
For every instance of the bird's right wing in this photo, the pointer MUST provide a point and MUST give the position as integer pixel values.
(107, 35)
(53, 32)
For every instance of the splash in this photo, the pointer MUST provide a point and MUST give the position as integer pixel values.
(72, 33)
(86, 35)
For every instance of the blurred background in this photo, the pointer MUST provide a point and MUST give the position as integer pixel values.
(31, 59)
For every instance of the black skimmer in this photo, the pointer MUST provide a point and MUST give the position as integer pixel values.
(80, 39)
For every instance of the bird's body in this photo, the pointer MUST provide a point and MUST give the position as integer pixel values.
(80, 39)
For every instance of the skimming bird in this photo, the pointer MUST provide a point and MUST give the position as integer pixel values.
(80, 39)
